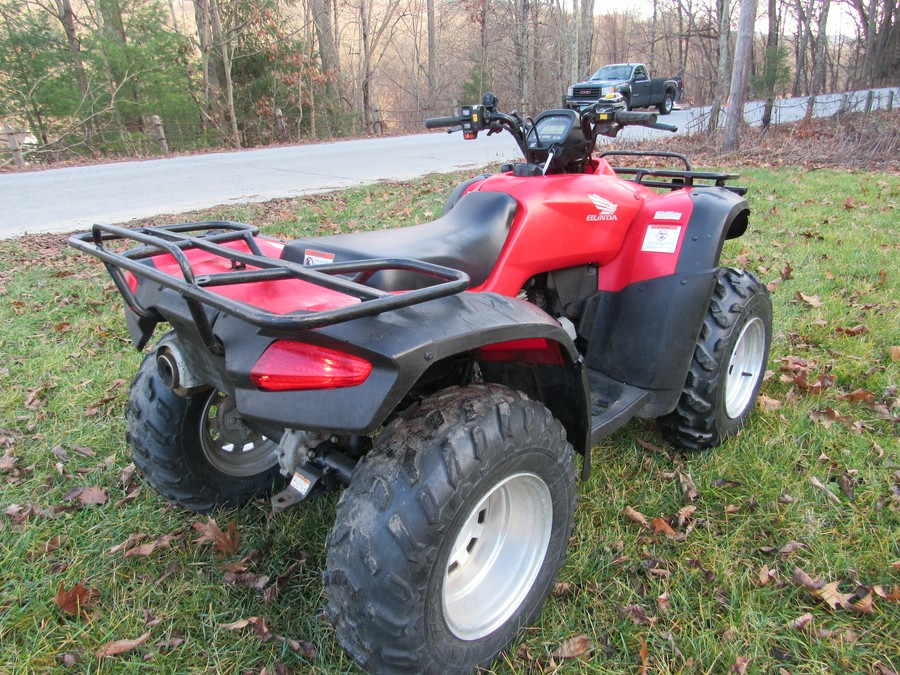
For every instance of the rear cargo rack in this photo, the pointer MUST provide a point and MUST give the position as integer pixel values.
(672, 179)
(209, 236)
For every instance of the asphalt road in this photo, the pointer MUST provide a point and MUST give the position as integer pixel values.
(69, 199)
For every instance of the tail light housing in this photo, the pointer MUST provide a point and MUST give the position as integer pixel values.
(294, 366)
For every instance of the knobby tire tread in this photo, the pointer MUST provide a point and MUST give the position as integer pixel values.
(694, 422)
(389, 527)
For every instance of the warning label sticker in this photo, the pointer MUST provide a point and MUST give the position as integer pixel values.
(301, 483)
(661, 238)
(312, 257)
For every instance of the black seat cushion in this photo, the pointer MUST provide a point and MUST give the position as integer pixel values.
(469, 238)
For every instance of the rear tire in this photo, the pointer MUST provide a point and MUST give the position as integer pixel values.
(451, 533)
(196, 452)
(729, 362)
(667, 104)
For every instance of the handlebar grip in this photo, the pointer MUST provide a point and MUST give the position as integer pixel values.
(437, 122)
(629, 117)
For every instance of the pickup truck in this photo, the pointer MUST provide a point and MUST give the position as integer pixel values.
(633, 82)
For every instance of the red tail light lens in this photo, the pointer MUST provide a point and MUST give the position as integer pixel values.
(292, 366)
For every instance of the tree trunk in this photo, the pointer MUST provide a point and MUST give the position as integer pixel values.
(432, 57)
(212, 68)
(222, 48)
(818, 78)
(722, 70)
(586, 37)
(772, 60)
(740, 74)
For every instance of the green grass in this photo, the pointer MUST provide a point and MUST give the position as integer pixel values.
(65, 361)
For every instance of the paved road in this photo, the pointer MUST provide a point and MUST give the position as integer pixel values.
(63, 200)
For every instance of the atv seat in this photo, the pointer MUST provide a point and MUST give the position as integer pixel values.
(469, 238)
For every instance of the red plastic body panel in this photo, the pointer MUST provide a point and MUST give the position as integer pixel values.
(577, 219)
(280, 297)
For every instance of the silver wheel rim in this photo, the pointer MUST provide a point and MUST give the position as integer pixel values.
(745, 368)
(228, 444)
(496, 556)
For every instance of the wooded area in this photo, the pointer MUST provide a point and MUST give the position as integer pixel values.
(85, 77)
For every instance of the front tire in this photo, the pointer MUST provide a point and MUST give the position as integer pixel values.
(451, 533)
(729, 362)
(196, 452)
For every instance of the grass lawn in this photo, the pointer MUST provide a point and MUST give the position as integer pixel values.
(783, 553)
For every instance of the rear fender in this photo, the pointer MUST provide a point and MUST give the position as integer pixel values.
(402, 346)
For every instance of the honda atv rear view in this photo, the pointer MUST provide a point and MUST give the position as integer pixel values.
(445, 375)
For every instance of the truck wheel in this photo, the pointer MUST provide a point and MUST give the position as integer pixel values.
(627, 101)
(667, 104)
(728, 365)
(196, 452)
(451, 533)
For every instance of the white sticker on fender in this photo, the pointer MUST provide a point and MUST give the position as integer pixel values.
(661, 238)
(311, 257)
(667, 215)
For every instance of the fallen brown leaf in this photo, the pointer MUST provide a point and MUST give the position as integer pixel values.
(831, 596)
(76, 600)
(811, 300)
(644, 657)
(768, 404)
(895, 353)
(226, 543)
(684, 514)
(865, 605)
(257, 581)
(661, 525)
(93, 496)
(636, 517)
(689, 492)
(740, 665)
(790, 547)
(662, 603)
(637, 614)
(766, 575)
(121, 646)
(801, 578)
(574, 648)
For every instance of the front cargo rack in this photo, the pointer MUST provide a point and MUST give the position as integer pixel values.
(672, 179)
(252, 266)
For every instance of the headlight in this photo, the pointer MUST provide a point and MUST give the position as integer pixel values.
(609, 90)
(570, 91)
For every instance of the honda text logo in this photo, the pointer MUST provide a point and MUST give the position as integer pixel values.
(606, 208)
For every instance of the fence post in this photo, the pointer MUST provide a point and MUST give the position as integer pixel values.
(890, 103)
(160, 134)
(870, 95)
(844, 107)
(13, 144)
(279, 124)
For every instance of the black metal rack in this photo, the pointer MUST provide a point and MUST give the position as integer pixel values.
(347, 277)
(672, 179)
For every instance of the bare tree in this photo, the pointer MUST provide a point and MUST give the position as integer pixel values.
(740, 74)
(724, 16)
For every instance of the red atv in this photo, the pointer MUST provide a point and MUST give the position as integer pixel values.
(444, 374)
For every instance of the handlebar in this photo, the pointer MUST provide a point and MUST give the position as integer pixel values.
(629, 117)
(437, 122)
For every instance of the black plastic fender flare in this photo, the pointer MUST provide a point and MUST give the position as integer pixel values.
(402, 345)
